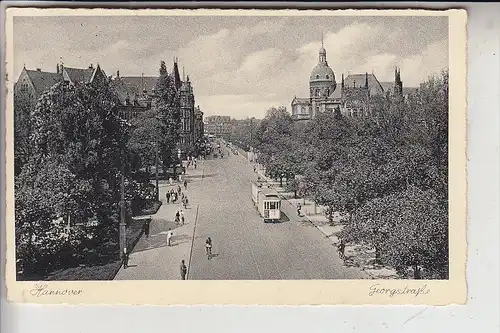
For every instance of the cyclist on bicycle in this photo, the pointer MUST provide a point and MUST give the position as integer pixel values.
(208, 246)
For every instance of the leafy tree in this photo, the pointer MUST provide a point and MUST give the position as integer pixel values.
(22, 128)
(77, 154)
(169, 114)
(408, 229)
(146, 138)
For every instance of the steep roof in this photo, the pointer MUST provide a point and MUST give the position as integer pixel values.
(80, 75)
(359, 80)
(136, 84)
(298, 100)
(122, 91)
(337, 93)
(42, 81)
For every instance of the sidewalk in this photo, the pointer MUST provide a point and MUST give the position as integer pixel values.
(356, 255)
(151, 258)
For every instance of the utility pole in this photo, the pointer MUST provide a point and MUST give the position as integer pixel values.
(156, 171)
(123, 230)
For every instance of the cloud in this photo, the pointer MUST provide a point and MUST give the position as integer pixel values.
(238, 66)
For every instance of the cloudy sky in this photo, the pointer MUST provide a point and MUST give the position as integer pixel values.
(239, 66)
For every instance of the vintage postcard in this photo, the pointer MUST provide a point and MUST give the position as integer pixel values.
(236, 156)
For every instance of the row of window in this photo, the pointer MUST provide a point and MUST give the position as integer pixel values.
(271, 205)
(327, 77)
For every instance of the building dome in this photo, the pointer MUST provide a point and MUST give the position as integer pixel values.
(322, 80)
(322, 73)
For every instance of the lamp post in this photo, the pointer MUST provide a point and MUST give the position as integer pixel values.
(156, 172)
(123, 225)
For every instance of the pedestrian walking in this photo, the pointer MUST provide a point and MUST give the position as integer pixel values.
(341, 249)
(125, 258)
(177, 215)
(179, 190)
(195, 164)
(169, 237)
(146, 227)
(185, 185)
(168, 197)
(182, 214)
(208, 247)
(299, 207)
(182, 220)
(170, 181)
(183, 270)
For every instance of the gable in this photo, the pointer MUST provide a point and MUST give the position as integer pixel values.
(42, 81)
(358, 80)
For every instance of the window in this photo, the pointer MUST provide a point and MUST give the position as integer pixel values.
(303, 109)
(327, 76)
(273, 205)
(317, 76)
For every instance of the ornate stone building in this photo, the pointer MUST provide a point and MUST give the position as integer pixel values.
(136, 94)
(351, 96)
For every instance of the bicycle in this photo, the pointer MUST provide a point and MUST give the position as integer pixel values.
(208, 248)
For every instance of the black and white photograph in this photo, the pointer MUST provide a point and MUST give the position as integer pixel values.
(231, 147)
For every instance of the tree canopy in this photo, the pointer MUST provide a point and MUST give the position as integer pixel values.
(389, 171)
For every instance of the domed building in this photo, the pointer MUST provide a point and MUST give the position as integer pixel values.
(352, 97)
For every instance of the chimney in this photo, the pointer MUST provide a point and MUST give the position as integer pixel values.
(118, 74)
(38, 70)
(57, 71)
(91, 66)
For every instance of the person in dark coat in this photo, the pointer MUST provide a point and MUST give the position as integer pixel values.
(183, 270)
(125, 258)
(146, 227)
(185, 185)
(168, 197)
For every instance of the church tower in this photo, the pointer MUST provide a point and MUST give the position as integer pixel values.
(321, 82)
(177, 77)
(398, 84)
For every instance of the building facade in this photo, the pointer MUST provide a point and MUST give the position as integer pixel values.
(135, 95)
(352, 96)
(219, 126)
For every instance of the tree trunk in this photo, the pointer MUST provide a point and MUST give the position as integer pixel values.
(416, 272)
(295, 194)
(377, 256)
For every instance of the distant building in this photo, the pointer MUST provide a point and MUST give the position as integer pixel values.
(352, 97)
(218, 125)
(198, 124)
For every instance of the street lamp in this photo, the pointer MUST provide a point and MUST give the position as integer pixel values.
(156, 172)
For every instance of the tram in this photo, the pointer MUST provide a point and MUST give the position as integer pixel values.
(267, 202)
